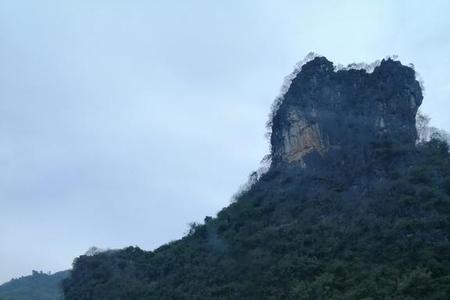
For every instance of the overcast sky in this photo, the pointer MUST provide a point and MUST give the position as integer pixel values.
(122, 121)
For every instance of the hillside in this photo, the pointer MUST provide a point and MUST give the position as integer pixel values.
(351, 207)
(38, 286)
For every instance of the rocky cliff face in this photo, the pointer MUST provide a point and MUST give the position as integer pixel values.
(339, 115)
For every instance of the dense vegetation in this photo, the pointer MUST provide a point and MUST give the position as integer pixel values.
(38, 286)
(380, 231)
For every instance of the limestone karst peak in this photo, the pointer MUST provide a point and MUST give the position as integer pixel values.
(327, 111)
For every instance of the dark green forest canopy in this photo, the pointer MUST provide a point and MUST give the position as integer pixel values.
(297, 236)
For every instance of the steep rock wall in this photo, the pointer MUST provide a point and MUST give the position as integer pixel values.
(341, 114)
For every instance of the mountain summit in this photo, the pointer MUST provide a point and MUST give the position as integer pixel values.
(352, 207)
(331, 114)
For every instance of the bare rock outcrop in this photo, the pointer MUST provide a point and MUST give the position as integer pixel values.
(340, 115)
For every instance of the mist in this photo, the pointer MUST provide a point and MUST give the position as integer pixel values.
(123, 121)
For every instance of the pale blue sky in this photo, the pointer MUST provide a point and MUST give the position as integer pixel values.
(122, 121)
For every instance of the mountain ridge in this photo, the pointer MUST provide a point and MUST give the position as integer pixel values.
(38, 286)
(351, 207)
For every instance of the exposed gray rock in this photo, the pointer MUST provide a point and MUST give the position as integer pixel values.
(339, 115)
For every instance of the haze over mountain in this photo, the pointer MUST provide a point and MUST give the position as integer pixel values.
(105, 104)
(353, 205)
(38, 286)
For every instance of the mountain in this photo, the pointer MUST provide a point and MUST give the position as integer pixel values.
(352, 206)
(38, 286)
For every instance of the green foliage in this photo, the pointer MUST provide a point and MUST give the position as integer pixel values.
(294, 235)
(416, 283)
(447, 185)
(38, 286)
